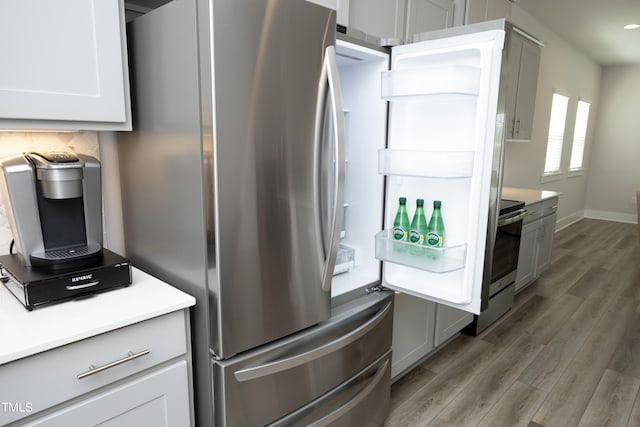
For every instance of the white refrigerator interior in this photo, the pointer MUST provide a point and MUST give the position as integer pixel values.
(442, 100)
(365, 115)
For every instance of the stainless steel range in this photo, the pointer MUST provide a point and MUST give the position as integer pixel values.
(504, 265)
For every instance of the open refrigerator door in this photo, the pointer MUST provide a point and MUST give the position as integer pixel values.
(443, 96)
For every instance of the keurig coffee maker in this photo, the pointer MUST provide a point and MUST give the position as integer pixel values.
(54, 203)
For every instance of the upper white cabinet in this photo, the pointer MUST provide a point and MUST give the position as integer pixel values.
(381, 18)
(64, 65)
(487, 10)
(401, 19)
(428, 15)
(524, 62)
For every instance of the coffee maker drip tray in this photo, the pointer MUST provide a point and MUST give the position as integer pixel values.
(58, 258)
(35, 287)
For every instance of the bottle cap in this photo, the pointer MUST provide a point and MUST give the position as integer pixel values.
(420, 202)
(403, 200)
(437, 203)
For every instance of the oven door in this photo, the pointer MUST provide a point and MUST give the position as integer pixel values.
(505, 253)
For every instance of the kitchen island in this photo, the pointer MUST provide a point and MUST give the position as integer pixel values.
(123, 353)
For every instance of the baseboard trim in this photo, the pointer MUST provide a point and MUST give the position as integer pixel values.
(611, 216)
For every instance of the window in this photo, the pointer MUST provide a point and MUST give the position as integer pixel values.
(556, 134)
(579, 136)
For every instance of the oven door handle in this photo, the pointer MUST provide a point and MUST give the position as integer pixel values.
(517, 216)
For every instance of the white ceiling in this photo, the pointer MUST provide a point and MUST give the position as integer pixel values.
(593, 26)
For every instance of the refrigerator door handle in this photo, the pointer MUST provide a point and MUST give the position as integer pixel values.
(309, 356)
(337, 119)
(344, 409)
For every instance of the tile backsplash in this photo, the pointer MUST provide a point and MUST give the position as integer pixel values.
(21, 142)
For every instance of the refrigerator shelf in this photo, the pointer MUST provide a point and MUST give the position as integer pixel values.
(427, 164)
(416, 84)
(434, 260)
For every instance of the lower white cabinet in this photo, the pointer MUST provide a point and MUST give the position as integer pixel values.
(138, 374)
(545, 243)
(449, 321)
(413, 329)
(536, 244)
(419, 327)
(158, 399)
(527, 255)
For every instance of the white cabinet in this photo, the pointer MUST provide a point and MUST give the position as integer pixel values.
(413, 320)
(381, 18)
(523, 63)
(419, 327)
(401, 19)
(137, 372)
(487, 10)
(536, 244)
(449, 321)
(64, 65)
(428, 15)
(158, 399)
(527, 255)
(545, 243)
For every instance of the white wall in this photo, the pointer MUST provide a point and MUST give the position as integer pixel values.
(563, 68)
(614, 170)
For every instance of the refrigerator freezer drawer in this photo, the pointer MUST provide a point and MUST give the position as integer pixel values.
(265, 385)
(362, 401)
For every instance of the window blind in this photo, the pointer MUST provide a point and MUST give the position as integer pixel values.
(556, 133)
(579, 135)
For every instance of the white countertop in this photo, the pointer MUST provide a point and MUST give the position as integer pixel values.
(526, 195)
(24, 333)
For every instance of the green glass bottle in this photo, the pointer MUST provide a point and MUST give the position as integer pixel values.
(401, 223)
(435, 230)
(418, 224)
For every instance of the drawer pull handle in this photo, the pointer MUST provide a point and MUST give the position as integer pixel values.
(82, 286)
(130, 356)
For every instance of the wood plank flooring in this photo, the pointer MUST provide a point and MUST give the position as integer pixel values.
(567, 354)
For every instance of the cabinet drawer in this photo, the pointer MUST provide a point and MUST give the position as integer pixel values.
(549, 206)
(534, 212)
(49, 378)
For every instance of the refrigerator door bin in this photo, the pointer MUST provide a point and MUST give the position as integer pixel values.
(271, 382)
(435, 260)
(428, 164)
(362, 400)
(416, 84)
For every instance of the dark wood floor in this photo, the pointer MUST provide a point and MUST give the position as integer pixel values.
(567, 354)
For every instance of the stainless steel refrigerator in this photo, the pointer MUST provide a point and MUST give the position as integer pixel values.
(250, 183)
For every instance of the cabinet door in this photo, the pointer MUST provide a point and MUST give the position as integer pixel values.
(527, 88)
(382, 18)
(545, 243)
(63, 61)
(158, 399)
(524, 61)
(487, 10)
(513, 64)
(449, 321)
(527, 255)
(428, 15)
(413, 325)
